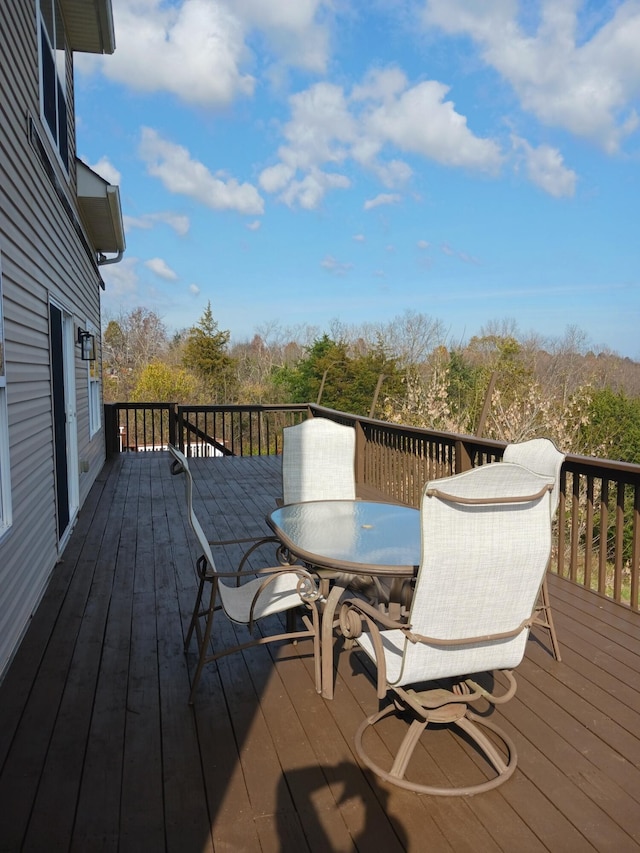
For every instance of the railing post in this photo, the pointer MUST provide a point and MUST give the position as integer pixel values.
(173, 416)
(462, 458)
(361, 443)
(111, 429)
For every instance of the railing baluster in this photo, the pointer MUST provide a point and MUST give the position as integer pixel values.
(604, 537)
(619, 544)
(575, 527)
(635, 551)
(588, 539)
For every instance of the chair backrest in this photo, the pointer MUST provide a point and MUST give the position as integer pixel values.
(318, 461)
(180, 465)
(482, 565)
(539, 455)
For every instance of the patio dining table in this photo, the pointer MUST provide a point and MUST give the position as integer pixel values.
(346, 538)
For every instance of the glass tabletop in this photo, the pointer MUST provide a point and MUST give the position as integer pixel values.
(352, 536)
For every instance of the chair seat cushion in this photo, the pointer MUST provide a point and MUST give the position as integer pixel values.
(425, 662)
(279, 595)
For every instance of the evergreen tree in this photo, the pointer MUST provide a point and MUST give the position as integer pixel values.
(205, 353)
(347, 383)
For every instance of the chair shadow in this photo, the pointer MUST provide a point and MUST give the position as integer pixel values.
(347, 786)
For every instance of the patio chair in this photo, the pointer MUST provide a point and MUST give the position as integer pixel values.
(486, 537)
(542, 456)
(318, 461)
(270, 591)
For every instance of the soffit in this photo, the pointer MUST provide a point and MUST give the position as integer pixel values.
(99, 204)
(89, 25)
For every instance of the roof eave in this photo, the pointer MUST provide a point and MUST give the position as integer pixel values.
(89, 25)
(99, 205)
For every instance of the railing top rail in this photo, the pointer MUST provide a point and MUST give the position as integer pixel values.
(628, 471)
(486, 443)
(132, 406)
(573, 462)
(249, 407)
(589, 465)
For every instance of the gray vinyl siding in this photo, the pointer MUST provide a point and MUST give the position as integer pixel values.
(42, 258)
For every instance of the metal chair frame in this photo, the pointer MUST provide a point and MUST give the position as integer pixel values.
(266, 591)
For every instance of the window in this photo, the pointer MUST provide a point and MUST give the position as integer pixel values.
(53, 76)
(95, 407)
(5, 491)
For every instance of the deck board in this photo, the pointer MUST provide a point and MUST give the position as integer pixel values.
(99, 749)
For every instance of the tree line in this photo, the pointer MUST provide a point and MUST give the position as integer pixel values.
(588, 402)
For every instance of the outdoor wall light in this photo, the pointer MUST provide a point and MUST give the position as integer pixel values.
(87, 345)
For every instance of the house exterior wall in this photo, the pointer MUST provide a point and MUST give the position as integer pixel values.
(44, 257)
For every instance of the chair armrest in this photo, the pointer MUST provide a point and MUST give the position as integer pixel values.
(352, 614)
(242, 541)
(252, 573)
(307, 589)
(366, 609)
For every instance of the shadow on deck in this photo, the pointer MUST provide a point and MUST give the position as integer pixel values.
(99, 749)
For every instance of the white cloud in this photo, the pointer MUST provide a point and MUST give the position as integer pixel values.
(423, 244)
(173, 165)
(545, 168)
(466, 258)
(584, 85)
(383, 198)
(199, 49)
(318, 133)
(193, 49)
(334, 266)
(254, 226)
(309, 192)
(107, 170)
(275, 178)
(178, 222)
(320, 129)
(194, 289)
(422, 122)
(161, 269)
(142, 222)
(359, 238)
(329, 127)
(291, 27)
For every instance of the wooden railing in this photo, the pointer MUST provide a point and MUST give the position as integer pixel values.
(254, 430)
(598, 526)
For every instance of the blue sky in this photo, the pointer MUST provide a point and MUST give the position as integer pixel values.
(303, 161)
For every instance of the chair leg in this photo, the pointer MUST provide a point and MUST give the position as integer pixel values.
(544, 618)
(471, 724)
(405, 752)
(193, 625)
(203, 638)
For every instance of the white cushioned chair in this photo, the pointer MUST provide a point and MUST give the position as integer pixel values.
(318, 461)
(486, 540)
(542, 456)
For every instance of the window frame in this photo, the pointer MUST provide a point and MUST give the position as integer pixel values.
(52, 80)
(94, 387)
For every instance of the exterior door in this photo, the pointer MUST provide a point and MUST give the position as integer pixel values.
(65, 436)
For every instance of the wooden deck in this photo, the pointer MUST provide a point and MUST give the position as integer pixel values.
(99, 749)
